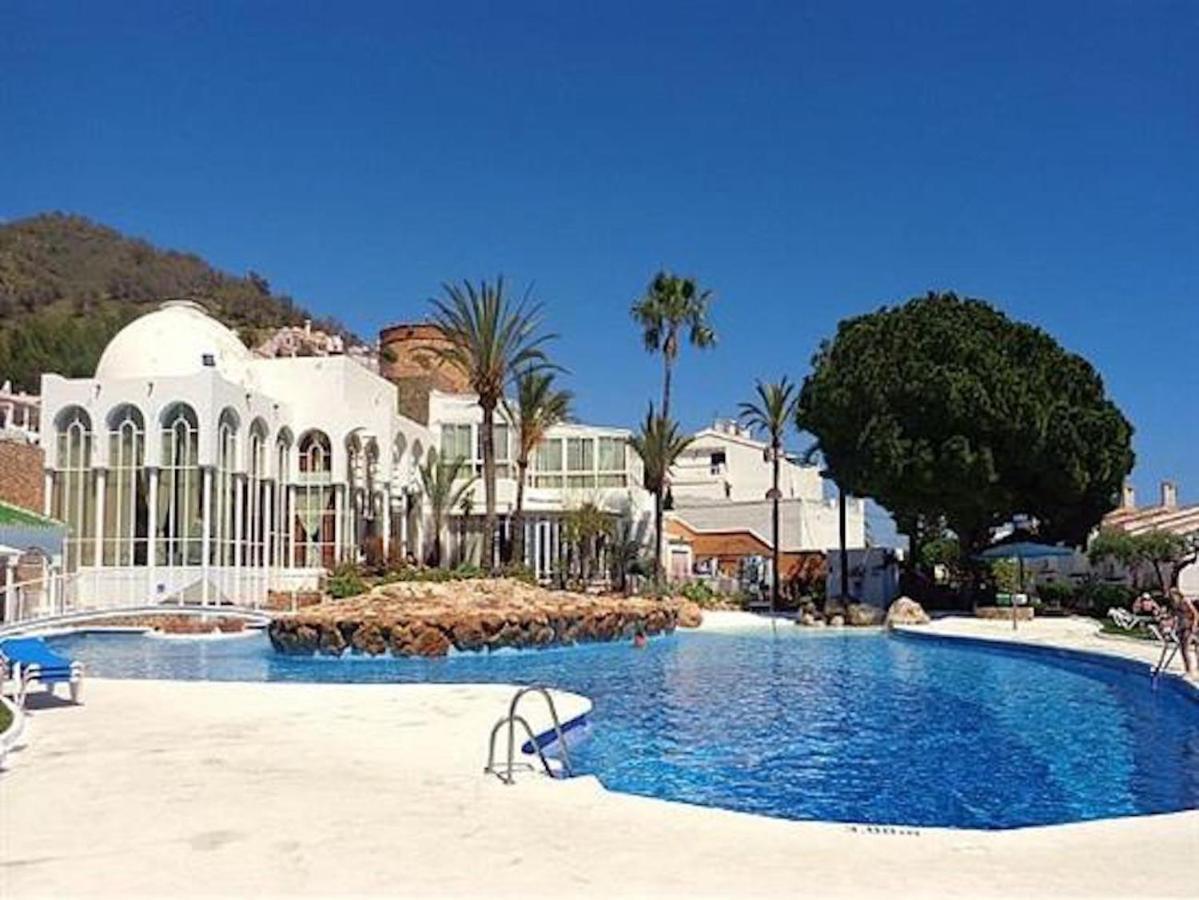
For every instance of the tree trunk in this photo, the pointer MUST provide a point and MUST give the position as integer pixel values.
(774, 529)
(437, 542)
(841, 530)
(667, 366)
(518, 514)
(658, 539)
(487, 563)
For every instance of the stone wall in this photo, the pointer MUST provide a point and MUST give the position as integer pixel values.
(21, 475)
(420, 619)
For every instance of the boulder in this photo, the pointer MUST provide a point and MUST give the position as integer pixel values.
(862, 615)
(837, 621)
(906, 611)
(690, 615)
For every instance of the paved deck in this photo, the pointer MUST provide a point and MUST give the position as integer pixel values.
(187, 788)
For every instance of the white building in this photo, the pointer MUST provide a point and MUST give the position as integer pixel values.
(573, 465)
(721, 512)
(187, 467)
(725, 463)
(20, 415)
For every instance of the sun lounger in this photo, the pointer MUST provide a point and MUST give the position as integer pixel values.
(29, 659)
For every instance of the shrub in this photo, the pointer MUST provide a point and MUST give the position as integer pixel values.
(346, 581)
(1057, 593)
(697, 592)
(520, 573)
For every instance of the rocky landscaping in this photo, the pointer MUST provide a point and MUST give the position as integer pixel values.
(171, 623)
(426, 619)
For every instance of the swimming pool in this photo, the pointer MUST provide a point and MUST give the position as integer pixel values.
(852, 727)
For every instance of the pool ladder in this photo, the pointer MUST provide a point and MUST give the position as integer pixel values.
(505, 773)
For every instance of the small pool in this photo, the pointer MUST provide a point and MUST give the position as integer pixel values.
(853, 727)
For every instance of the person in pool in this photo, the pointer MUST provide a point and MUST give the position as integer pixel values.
(639, 638)
(1186, 627)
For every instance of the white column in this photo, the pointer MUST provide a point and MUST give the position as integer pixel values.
(405, 548)
(239, 509)
(536, 528)
(101, 480)
(339, 511)
(386, 529)
(48, 488)
(10, 591)
(289, 526)
(205, 534)
(152, 535)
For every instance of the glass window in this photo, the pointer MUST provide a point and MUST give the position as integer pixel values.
(547, 464)
(611, 454)
(580, 454)
(503, 443)
(455, 442)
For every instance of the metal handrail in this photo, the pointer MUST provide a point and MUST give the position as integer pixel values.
(510, 720)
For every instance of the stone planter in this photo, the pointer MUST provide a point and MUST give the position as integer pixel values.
(422, 619)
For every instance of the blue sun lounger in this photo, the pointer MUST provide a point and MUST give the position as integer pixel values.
(29, 659)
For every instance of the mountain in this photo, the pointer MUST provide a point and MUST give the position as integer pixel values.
(68, 284)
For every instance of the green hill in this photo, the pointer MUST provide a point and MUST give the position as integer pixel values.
(68, 284)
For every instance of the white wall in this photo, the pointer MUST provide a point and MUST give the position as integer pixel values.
(747, 474)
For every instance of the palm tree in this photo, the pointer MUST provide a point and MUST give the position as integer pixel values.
(489, 339)
(659, 444)
(770, 415)
(584, 526)
(671, 304)
(446, 488)
(539, 407)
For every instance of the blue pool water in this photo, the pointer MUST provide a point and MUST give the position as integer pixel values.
(856, 727)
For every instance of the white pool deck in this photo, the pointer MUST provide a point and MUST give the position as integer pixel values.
(186, 788)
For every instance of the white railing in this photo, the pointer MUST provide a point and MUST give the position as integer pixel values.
(110, 589)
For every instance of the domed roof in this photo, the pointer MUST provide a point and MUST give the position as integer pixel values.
(178, 338)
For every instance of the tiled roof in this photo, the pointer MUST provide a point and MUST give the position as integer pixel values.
(1175, 519)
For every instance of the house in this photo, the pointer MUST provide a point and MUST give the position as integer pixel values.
(1166, 515)
(720, 516)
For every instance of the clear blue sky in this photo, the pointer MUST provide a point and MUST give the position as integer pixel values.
(807, 160)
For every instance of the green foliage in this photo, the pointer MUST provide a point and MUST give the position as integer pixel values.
(1057, 593)
(5, 718)
(67, 285)
(1005, 574)
(944, 408)
(462, 572)
(446, 486)
(489, 339)
(697, 591)
(1161, 553)
(659, 443)
(942, 551)
(345, 581)
(673, 304)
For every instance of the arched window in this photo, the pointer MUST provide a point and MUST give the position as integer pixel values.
(180, 489)
(126, 510)
(314, 524)
(256, 496)
(279, 545)
(73, 485)
(224, 548)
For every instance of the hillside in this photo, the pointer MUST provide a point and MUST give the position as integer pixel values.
(67, 284)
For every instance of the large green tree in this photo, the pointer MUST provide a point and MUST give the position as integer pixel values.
(770, 415)
(490, 337)
(671, 306)
(944, 409)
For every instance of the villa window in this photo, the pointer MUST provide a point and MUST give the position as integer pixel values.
(125, 498)
(224, 499)
(180, 489)
(456, 443)
(580, 462)
(72, 499)
(612, 464)
(503, 450)
(257, 502)
(314, 523)
(547, 464)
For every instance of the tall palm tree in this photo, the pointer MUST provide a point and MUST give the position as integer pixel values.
(659, 444)
(769, 415)
(446, 485)
(489, 338)
(539, 406)
(670, 305)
